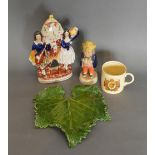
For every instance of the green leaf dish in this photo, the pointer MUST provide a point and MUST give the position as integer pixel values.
(75, 115)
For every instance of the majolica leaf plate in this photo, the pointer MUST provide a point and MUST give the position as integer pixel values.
(75, 115)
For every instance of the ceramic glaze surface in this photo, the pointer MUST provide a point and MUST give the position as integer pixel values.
(88, 76)
(52, 53)
(113, 77)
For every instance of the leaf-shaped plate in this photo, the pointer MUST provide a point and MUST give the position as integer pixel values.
(75, 116)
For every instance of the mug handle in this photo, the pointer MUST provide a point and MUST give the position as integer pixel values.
(132, 80)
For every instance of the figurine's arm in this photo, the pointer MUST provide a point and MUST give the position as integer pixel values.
(75, 36)
(82, 63)
(82, 56)
(33, 47)
(94, 59)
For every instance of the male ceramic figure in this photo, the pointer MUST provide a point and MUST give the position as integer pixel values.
(88, 76)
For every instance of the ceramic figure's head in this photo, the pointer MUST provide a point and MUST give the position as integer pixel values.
(38, 36)
(88, 48)
(66, 34)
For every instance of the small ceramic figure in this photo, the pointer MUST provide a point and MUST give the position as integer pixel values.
(38, 52)
(52, 53)
(37, 47)
(88, 76)
(67, 54)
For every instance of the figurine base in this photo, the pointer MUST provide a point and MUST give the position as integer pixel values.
(54, 74)
(55, 79)
(88, 80)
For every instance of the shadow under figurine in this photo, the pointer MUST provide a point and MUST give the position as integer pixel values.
(88, 62)
(52, 53)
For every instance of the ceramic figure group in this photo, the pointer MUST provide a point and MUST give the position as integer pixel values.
(53, 55)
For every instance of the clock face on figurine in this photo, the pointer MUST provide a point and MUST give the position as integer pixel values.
(52, 53)
(52, 32)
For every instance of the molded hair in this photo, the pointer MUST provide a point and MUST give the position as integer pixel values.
(64, 34)
(37, 33)
(88, 46)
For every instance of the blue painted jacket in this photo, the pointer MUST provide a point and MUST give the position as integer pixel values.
(40, 47)
(65, 45)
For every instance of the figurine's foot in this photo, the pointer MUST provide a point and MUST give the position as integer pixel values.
(91, 76)
(88, 80)
(84, 75)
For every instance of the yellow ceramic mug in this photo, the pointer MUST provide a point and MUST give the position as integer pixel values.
(113, 77)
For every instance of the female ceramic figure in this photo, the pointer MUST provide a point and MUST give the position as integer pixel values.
(88, 76)
(67, 54)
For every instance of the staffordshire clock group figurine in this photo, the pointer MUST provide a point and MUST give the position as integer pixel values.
(52, 53)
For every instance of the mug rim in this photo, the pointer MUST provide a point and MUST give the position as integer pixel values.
(114, 62)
